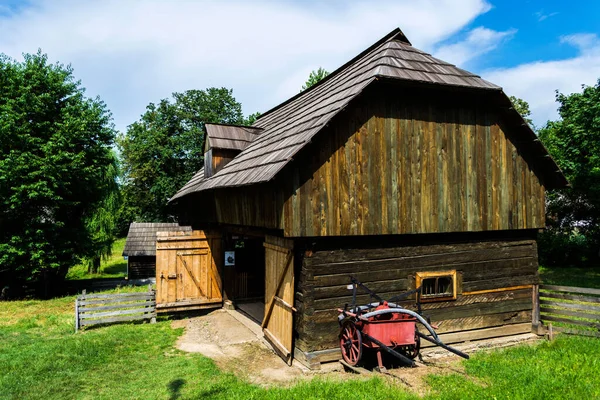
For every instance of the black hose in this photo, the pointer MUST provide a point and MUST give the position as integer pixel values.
(443, 346)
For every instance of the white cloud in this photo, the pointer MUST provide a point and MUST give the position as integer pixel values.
(134, 52)
(536, 82)
(541, 15)
(478, 42)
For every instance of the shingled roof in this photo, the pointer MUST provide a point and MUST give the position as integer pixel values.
(141, 238)
(230, 137)
(288, 127)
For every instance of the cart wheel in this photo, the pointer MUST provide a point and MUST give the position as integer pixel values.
(412, 351)
(351, 343)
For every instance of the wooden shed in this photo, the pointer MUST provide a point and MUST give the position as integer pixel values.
(399, 169)
(140, 247)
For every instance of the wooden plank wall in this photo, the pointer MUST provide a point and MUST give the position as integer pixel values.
(398, 164)
(494, 284)
(257, 206)
(139, 267)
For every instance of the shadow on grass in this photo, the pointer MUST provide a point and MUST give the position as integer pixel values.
(175, 388)
(117, 268)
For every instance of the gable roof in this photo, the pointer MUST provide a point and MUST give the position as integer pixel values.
(230, 137)
(141, 238)
(288, 127)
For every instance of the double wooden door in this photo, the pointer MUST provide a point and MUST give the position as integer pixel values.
(278, 320)
(186, 269)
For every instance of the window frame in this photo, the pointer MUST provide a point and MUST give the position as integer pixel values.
(420, 276)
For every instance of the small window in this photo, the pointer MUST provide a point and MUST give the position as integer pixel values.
(437, 286)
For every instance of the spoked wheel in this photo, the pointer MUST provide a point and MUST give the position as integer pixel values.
(412, 351)
(351, 343)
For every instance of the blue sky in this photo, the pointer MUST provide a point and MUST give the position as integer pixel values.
(133, 52)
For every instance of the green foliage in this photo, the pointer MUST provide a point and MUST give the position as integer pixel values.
(103, 222)
(55, 153)
(314, 78)
(113, 266)
(252, 118)
(162, 150)
(574, 142)
(522, 108)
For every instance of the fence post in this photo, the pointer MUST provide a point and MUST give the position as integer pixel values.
(77, 309)
(535, 312)
(153, 319)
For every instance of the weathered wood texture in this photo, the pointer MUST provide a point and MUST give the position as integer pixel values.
(188, 266)
(413, 164)
(279, 295)
(575, 309)
(96, 309)
(140, 267)
(499, 273)
(396, 161)
(254, 206)
(216, 159)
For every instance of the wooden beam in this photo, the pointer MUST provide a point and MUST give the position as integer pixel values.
(506, 289)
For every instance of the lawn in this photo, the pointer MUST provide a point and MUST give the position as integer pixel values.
(42, 358)
(113, 267)
(582, 277)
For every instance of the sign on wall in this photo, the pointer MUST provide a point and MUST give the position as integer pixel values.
(230, 258)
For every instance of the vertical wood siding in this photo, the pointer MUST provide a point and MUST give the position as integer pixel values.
(398, 165)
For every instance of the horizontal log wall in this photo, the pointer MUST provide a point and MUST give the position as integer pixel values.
(401, 163)
(139, 267)
(494, 289)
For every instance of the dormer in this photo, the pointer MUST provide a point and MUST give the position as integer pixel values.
(223, 143)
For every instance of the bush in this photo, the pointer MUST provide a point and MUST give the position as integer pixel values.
(566, 249)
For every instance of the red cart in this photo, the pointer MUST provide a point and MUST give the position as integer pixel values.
(384, 326)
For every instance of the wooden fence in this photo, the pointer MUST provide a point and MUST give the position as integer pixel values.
(95, 309)
(571, 310)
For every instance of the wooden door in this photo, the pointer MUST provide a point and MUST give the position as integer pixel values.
(187, 271)
(279, 295)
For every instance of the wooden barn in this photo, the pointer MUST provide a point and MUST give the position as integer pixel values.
(399, 169)
(140, 247)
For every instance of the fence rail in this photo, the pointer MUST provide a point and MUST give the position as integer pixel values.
(95, 309)
(577, 308)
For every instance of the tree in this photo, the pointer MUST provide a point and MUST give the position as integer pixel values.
(573, 214)
(102, 224)
(522, 107)
(55, 150)
(314, 78)
(162, 151)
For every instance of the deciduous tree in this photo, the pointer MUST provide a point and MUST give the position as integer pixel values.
(55, 149)
(522, 108)
(163, 150)
(573, 141)
(314, 78)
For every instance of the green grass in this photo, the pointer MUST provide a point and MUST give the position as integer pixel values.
(566, 368)
(113, 267)
(42, 358)
(582, 277)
